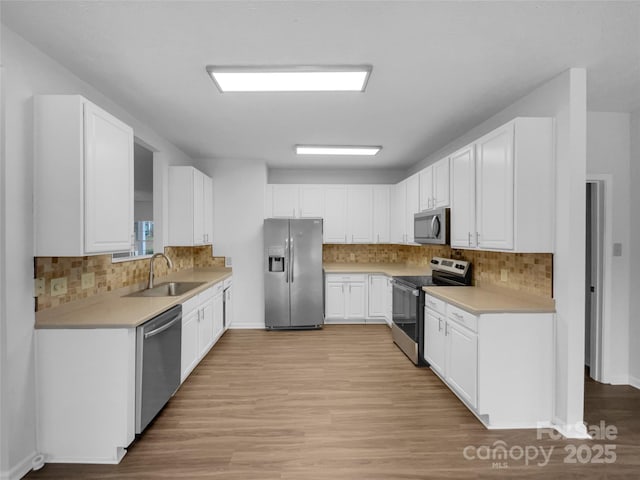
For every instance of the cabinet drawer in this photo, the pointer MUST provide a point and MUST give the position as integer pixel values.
(190, 305)
(209, 293)
(462, 317)
(434, 303)
(227, 282)
(348, 277)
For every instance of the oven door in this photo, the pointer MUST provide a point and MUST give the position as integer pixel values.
(405, 328)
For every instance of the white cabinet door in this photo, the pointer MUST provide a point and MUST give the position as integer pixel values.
(426, 188)
(377, 296)
(434, 340)
(108, 177)
(334, 300)
(83, 178)
(462, 361)
(190, 207)
(218, 315)
(494, 182)
(208, 209)
(205, 327)
(463, 202)
(335, 214)
(441, 183)
(311, 201)
(389, 302)
(413, 205)
(198, 207)
(381, 204)
(398, 215)
(360, 214)
(228, 308)
(190, 353)
(356, 301)
(284, 200)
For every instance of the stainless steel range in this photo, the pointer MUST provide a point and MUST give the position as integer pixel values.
(408, 303)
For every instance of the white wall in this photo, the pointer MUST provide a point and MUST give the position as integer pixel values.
(608, 152)
(27, 72)
(238, 212)
(564, 98)
(634, 285)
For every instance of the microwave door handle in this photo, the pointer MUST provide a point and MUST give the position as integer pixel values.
(435, 227)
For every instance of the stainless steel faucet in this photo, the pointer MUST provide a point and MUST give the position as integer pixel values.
(155, 255)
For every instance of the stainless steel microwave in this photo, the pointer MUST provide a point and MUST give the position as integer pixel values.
(432, 226)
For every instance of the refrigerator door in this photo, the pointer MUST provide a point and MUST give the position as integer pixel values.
(305, 275)
(276, 273)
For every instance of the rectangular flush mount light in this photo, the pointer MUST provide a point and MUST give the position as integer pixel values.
(336, 150)
(290, 79)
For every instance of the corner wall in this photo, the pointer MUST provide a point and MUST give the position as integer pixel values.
(634, 284)
(238, 215)
(27, 72)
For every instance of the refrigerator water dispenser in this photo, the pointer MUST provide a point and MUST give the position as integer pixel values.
(276, 259)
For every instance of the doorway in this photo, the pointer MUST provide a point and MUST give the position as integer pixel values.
(594, 278)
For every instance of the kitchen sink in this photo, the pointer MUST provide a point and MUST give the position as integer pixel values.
(167, 289)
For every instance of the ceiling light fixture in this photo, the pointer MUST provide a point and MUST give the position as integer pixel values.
(337, 150)
(290, 79)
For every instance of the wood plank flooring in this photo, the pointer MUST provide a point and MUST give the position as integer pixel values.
(344, 403)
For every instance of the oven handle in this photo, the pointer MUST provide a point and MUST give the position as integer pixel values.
(412, 291)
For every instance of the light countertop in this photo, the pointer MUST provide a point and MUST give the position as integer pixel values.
(479, 300)
(390, 269)
(116, 310)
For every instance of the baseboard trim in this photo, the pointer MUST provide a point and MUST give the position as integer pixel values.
(571, 430)
(634, 382)
(619, 380)
(247, 326)
(19, 470)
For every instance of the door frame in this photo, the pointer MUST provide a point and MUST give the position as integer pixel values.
(601, 328)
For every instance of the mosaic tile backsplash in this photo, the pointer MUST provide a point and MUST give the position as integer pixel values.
(112, 276)
(527, 272)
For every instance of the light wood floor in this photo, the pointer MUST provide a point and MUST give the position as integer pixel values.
(342, 403)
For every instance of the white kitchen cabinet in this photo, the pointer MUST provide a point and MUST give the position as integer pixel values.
(381, 205)
(83, 178)
(228, 302)
(463, 198)
(426, 188)
(461, 370)
(190, 207)
(359, 214)
(85, 393)
(335, 214)
(398, 205)
(499, 364)
(389, 301)
(513, 204)
(434, 340)
(295, 201)
(202, 326)
(413, 205)
(378, 297)
(345, 298)
(441, 181)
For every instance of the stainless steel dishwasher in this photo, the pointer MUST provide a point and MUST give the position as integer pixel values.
(158, 353)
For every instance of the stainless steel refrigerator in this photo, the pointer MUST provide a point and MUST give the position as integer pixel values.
(293, 278)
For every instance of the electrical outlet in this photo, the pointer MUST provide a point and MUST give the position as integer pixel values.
(352, 257)
(227, 262)
(88, 280)
(58, 286)
(504, 275)
(38, 286)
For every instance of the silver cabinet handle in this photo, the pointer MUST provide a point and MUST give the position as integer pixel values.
(458, 316)
(349, 288)
(345, 238)
(439, 324)
(477, 239)
(378, 240)
(469, 240)
(352, 238)
(446, 329)
(343, 288)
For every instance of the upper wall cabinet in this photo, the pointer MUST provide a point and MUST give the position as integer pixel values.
(190, 207)
(83, 178)
(297, 201)
(405, 203)
(434, 185)
(513, 205)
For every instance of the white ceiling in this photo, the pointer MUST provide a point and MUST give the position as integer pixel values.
(439, 68)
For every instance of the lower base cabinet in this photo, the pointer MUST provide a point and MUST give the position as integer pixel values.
(202, 326)
(500, 364)
(357, 298)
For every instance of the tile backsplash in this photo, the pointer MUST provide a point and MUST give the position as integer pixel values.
(526, 272)
(110, 276)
